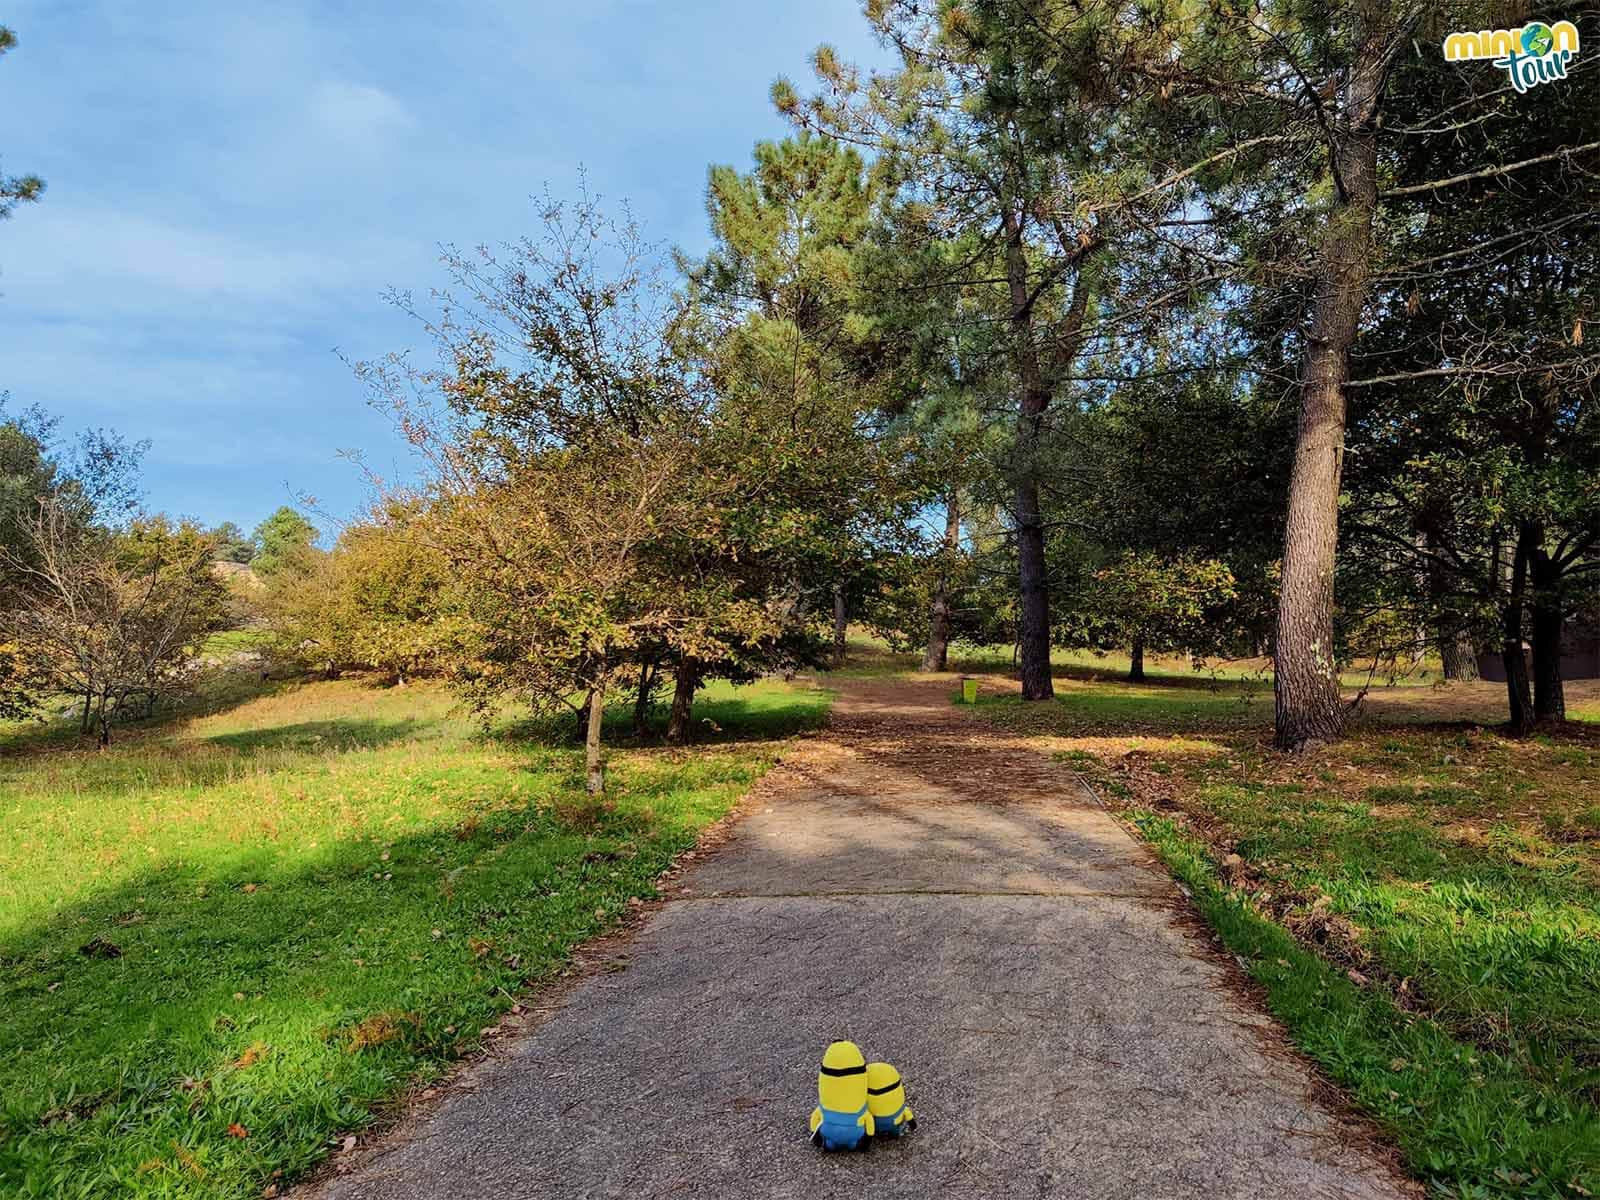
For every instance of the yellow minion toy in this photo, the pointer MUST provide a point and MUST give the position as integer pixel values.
(886, 1101)
(841, 1120)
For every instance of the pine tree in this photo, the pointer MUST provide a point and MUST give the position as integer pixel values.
(16, 189)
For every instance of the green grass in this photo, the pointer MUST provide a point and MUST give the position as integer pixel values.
(870, 654)
(1455, 871)
(1457, 887)
(237, 641)
(225, 942)
(1473, 1121)
(1130, 707)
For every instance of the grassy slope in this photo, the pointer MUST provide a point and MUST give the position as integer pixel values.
(1421, 903)
(313, 897)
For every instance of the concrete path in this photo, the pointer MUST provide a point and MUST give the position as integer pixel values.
(949, 899)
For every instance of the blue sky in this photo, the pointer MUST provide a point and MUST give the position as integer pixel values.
(232, 187)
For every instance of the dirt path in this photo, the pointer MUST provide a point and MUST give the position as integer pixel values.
(949, 899)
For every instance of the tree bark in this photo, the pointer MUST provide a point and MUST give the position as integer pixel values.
(1033, 639)
(1549, 623)
(841, 624)
(1518, 696)
(88, 713)
(594, 766)
(103, 721)
(641, 702)
(1033, 642)
(1306, 674)
(937, 655)
(1136, 661)
(684, 682)
(1457, 656)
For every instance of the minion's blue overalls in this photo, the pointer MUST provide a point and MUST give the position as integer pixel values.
(841, 1131)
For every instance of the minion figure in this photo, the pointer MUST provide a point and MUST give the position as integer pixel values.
(842, 1120)
(886, 1102)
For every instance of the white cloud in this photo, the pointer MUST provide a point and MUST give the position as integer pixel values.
(87, 258)
(357, 113)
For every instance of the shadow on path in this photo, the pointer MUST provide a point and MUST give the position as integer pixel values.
(929, 886)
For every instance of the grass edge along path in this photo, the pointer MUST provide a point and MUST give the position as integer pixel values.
(250, 994)
(1469, 1122)
(1512, 1114)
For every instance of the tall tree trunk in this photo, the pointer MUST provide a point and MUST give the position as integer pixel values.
(684, 682)
(1306, 675)
(648, 673)
(1033, 595)
(1457, 656)
(841, 624)
(1064, 342)
(1033, 642)
(937, 655)
(1136, 661)
(594, 766)
(1518, 697)
(103, 721)
(87, 722)
(1549, 623)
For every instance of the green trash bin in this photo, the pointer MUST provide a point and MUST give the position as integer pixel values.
(969, 689)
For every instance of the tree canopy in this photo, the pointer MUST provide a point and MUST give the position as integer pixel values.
(1252, 328)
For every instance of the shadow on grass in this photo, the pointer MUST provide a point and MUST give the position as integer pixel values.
(717, 720)
(143, 764)
(287, 997)
(1435, 1094)
(1157, 678)
(57, 733)
(875, 660)
(1116, 713)
(734, 719)
(174, 758)
(325, 737)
